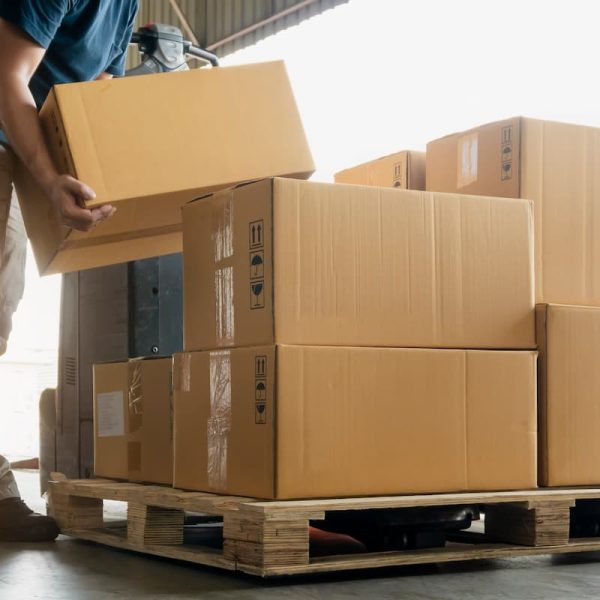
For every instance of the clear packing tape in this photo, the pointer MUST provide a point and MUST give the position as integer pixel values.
(219, 422)
(135, 397)
(224, 325)
(182, 374)
(467, 160)
(222, 239)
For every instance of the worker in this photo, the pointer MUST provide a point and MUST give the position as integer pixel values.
(42, 43)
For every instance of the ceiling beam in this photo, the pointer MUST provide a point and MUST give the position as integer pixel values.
(255, 26)
(185, 24)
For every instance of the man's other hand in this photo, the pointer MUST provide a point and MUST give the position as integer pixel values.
(68, 196)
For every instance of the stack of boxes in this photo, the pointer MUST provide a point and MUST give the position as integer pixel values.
(349, 340)
(557, 166)
(344, 340)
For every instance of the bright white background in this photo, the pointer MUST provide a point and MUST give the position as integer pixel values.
(373, 77)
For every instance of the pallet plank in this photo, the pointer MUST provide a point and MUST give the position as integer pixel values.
(273, 509)
(420, 557)
(162, 497)
(204, 556)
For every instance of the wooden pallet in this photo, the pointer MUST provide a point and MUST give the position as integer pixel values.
(271, 538)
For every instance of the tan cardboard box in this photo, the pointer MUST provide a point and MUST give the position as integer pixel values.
(556, 165)
(569, 409)
(290, 262)
(404, 170)
(302, 422)
(149, 144)
(133, 436)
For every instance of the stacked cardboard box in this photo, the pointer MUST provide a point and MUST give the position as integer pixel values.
(569, 346)
(133, 420)
(557, 166)
(346, 340)
(404, 170)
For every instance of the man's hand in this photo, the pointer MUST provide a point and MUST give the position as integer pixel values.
(68, 196)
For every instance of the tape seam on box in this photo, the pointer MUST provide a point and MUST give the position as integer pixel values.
(182, 375)
(467, 160)
(222, 239)
(135, 396)
(219, 422)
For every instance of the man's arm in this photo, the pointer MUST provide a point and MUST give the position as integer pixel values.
(19, 59)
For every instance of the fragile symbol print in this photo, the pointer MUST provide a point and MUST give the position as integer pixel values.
(257, 299)
(261, 413)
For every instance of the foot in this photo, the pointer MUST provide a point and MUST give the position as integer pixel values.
(2, 346)
(18, 523)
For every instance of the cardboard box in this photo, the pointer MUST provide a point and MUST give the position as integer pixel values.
(133, 435)
(290, 262)
(149, 144)
(302, 422)
(404, 170)
(556, 165)
(569, 380)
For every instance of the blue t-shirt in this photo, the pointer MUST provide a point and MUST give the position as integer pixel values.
(82, 38)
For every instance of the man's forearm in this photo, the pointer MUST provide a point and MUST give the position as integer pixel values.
(19, 58)
(21, 124)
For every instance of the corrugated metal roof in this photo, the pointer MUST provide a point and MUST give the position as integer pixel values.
(216, 22)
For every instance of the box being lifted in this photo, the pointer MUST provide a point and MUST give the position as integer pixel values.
(283, 261)
(149, 144)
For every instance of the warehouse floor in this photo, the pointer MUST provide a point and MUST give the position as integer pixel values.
(76, 570)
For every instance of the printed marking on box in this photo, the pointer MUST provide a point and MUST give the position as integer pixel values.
(260, 367)
(506, 153)
(260, 390)
(257, 294)
(110, 412)
(257, 234)
(261, 414)
(257, 264)
(399, 170)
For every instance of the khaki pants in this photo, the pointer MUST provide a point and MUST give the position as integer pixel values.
(13, 247)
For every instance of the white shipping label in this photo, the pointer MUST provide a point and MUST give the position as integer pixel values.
(110, 412)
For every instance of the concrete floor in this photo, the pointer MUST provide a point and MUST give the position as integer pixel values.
(68, 569)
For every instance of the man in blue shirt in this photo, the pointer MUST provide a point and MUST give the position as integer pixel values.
(42, 43)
